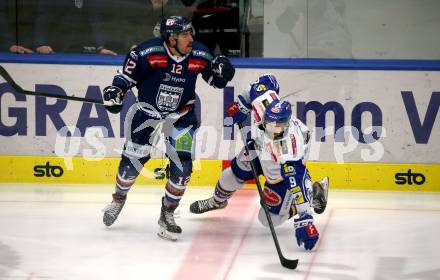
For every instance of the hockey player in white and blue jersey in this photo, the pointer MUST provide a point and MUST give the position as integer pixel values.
(165, 71)
(280, 147)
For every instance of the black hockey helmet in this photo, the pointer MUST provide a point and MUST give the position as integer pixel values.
(175, 25)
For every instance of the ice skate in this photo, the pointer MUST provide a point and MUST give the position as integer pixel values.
(112, 210)
(202, 206)
(320, 195)
(168, 229)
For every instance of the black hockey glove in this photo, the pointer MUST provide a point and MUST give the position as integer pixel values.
(222, 68)
(114, 95)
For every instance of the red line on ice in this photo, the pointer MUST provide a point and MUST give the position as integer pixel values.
(213, 242)
(245, 235)
(316, 250)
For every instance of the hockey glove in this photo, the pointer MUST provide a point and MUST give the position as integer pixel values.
(238, 110)
(222, 68)
(114, 95)
(252, 155)
(251, 144)
(306, 232)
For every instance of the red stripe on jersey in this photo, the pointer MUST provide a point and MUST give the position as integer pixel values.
(157, 60)
(277, 146)
(272, 153)
(257, 116)
(293, 141)
(196, 64)
(186, 108)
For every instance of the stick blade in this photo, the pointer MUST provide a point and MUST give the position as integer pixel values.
(291, 264)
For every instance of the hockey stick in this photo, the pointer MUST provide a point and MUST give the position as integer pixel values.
(17, 88)
(292, 264)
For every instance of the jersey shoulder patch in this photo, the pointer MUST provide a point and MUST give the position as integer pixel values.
(201, 51)
(150, 47)
(202, 54)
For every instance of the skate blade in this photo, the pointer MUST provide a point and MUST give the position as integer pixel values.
(327, 186)
(164, 234)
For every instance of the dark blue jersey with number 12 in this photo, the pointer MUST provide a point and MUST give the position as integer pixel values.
(164, 81)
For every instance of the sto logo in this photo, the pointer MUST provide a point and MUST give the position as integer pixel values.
(271, 197)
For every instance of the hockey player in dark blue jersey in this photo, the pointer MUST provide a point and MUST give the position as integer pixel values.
(164, 70)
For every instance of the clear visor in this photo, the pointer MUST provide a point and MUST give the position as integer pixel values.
(186, 32)
(274, 127)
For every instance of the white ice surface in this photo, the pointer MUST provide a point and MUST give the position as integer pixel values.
(56, 232)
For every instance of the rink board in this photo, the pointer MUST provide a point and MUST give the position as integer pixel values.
(374, 124)
(78, 170)
(355, 176)
(354, 115)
